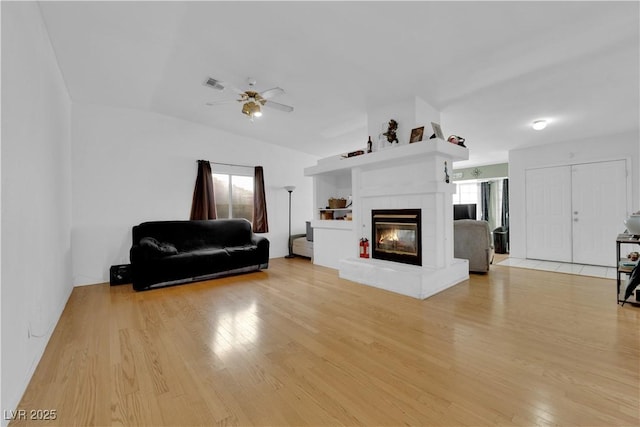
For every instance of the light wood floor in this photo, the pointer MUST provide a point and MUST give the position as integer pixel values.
(296, 345)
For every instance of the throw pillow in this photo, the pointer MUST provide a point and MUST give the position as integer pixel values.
(159, 248)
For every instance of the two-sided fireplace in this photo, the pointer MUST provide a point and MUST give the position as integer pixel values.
(397, 235)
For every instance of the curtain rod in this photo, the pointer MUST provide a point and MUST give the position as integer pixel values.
(231, 164)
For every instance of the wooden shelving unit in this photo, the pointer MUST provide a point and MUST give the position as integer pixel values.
(338, 214)
(624, 268)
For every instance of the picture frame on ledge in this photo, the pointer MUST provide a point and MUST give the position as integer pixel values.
(437, 130)
(416, 135)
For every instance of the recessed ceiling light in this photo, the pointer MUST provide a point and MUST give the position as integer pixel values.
(539, 124)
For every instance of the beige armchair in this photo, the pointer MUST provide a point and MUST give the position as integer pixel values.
(472, 241)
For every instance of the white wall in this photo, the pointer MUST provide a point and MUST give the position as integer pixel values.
(131, 166)
(613, 147)
(36, 196)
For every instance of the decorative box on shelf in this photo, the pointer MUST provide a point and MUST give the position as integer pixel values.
(326, 214)
(337, 203)
(626, 265)
(353, 154)
(336, 214)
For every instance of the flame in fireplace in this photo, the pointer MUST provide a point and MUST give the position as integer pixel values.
(392, 239)
(389, 236)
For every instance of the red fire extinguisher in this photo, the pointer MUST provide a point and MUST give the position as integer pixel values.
(364, 248)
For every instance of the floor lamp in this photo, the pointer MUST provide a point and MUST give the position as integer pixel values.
(290, 189)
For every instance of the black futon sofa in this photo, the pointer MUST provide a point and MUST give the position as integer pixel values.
(173, 252)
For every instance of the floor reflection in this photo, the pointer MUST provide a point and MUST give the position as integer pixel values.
(561, 267)
(235, 329)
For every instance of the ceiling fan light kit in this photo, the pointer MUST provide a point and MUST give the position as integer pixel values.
(251, 109)
(252, 101)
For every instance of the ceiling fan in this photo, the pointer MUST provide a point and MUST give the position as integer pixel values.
(252, 101)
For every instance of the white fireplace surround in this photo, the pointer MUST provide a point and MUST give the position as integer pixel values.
(410, 176)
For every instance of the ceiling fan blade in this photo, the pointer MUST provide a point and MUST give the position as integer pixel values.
(214, 103)
(232, 88)
(221, 85)
(278, 106)
(270, 93)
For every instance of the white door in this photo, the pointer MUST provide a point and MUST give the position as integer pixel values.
(548, 216)
(599, 208)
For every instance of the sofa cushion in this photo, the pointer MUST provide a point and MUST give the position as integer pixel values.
(241, 255)
(158, 248)
(301, 246)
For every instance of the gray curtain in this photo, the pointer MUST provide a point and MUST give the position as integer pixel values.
(203, 205)
(260, 223)
(485, 195)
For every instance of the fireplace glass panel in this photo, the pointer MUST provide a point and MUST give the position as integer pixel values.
(398, 238)
(396, 235)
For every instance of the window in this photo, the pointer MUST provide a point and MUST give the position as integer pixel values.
(466, 193)
(234, 195)
(469, 192)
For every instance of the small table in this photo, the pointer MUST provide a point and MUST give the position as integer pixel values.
(624, 269)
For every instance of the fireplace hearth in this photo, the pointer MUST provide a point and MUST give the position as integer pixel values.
(397, 235)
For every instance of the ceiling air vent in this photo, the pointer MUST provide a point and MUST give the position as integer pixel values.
(213, 83)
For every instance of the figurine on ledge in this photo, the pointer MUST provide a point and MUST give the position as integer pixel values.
(458, 140)
(391, 132)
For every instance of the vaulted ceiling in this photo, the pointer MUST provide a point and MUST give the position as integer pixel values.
(491, 68)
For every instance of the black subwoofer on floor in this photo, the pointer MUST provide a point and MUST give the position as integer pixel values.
(120, 274)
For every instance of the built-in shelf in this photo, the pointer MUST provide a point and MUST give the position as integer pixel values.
(336, 224)
(337, 214)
